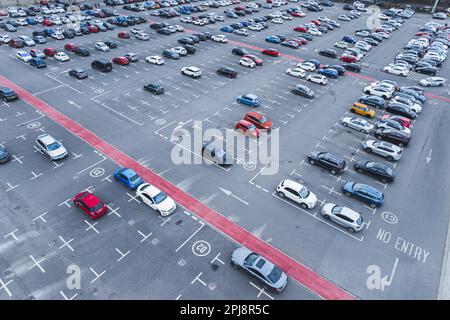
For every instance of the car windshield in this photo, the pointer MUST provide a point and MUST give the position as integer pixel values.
(160, 197)
(96, 208)
(275, 274)
(336, 209)
(134, 178)
(359, 221)
(304, 193)
(263, 119)
(250, 260)
(53, 146)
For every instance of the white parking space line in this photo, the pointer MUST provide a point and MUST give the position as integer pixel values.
(202, 224)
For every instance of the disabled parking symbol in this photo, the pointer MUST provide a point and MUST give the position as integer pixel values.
(201, 248)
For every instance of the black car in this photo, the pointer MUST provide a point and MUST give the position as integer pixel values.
(333, 163)
(400, 109)
(330, 53)
(306, 36)
(164, 31)
(4, 155)
(7, 94)
(83, 52)
(397, 137)
(349, 7)
(352, 67)
(322, 29)
(38, 33)
(372, 101)
(371, 41)
(190, 49)
(102, 65)
(78, 73)
(171, 54)
(338, 68)
(194, 38)
(68, 34)
(375, 169)
(154, 88)
(432, 71)
(304, 91)
(227, 72)
(201, 36)
(186, 41)
(239, 52)
(111, 44)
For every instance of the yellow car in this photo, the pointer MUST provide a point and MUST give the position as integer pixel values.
(363, 110)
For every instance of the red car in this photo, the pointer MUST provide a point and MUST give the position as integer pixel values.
(247, 128)
(303, 41)
(297, 41)
(255, 59)
(16, 43)
(239, 8)
(71, 47)
(93, 29)
(43, 2)
(47, 23)
(402, 120)
(301, 29)
(258, 120)
(422, 33)
(271, 52)
(90, 204)
(3, 13)
(296, 14)
(50, 52)
(348, 58)
(123, 61)
(123, 35)
(316, 22)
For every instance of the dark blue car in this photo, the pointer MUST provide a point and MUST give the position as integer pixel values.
(128, 177)
(227, 29)
(364, 192)
(329, 73)
(4, 155)
(38, 63)
(349, 39)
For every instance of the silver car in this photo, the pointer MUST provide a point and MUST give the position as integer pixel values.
(259, 267)
(358, 124)
(51, 147)
(385, 149)
(344, 216)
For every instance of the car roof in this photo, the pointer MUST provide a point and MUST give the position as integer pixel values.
(90, 200)
(292, 184)
(46, 139)
(350, 213)
(149, 189)
(128, 173)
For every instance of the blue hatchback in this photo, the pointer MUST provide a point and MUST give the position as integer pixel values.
(249, 99)
(128, 177)
(273, 39)
(228, 29)
(349, 39)
(38, 63)
(328, 72)
(364, 192)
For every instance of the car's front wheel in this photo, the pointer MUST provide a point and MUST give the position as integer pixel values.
(333, 171)
(351, 230)
(348, 194)
(280, 194)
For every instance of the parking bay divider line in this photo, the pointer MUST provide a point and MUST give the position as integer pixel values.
(311, 280)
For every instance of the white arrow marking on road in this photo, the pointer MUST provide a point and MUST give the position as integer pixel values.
(428, 158)
(229, 193)
(74, 104)
(384, 281)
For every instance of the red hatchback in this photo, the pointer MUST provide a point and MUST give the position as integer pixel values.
(93, 29)
(258, 120)
(47, 23)
(123, 61)
(50, 52)
(71, 47)
(247, 128)
(123, 35)
(90, 204)
(301, 29)
(271, 52)
(348, 58)
(316, 22)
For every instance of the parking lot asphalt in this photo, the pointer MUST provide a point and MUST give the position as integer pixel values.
(42, 233)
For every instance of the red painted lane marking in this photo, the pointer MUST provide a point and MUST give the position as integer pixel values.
(430, 95)
(308, 278)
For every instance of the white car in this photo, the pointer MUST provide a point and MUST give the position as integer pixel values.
(57, 36)
(219, 38)
(432, 82)
(22, 22)
(247, 62)
(61, 56)
(277, 20)
(297, 193)
(241, 32)
(363, 33)
(101, 46)
(136, 30)
(286, 17)
(378, 91)
(172, 29)
(156, 199)
(142, 36)
(178, 28)
(383, 17)
(382, 148)
(344, 216)
(180, 50)
(186, 20)
(4, 38)
(256, 27)
(358, 124)
(343, 17)
(364, 46)
(341, 45)
(50, 147)
(155, 60)
(296, 72)
(308, 66)
(192, 72)
(199, 22)
(23, 56)
(396, 69)
(317, 78)
(314, 32)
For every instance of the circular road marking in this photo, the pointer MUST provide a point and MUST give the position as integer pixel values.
(201, 248)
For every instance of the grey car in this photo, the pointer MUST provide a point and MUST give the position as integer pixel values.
(259, 267)
(346, 217)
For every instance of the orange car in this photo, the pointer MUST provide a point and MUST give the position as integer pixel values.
(258, 120)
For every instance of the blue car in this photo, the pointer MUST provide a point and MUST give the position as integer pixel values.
(31, 21)
(38, 63)
(329, 73)
(349, 39)
(250, 100)
(245, 24)
(314, 62)
(273, 39)
(128, 177)
(364, 192)
(228, 29)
